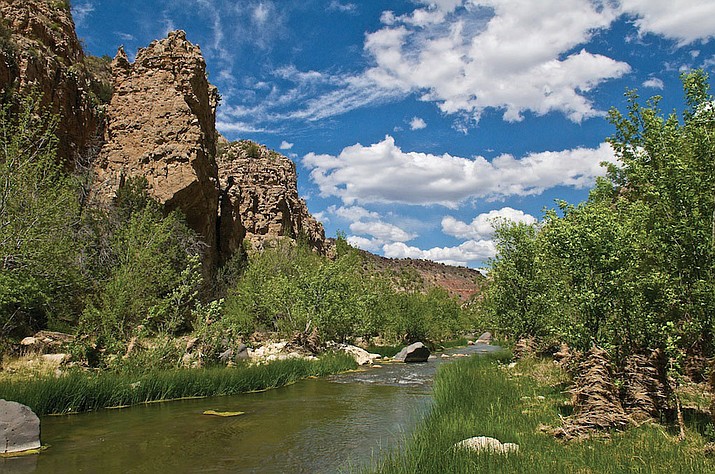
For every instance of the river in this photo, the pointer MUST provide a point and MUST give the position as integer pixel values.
(334, 424)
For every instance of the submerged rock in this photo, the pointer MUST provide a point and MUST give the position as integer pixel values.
(416, 352)
(484, 443)
(19, 428)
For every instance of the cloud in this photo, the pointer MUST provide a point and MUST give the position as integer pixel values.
(125, 36)
(685, 21)
(482, 227)
(382, 172)
(654, 83)
(369, 230)
(471, 251)
(466, 56)
(337, 6)
(239, 127)
(353, 213)
(511, 55)
(417, 124)
(285, 145)
(261, 12)
(80, 11)
(382, 231)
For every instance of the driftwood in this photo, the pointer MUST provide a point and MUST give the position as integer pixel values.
(597, 406)
(645, 387)
(525, 347)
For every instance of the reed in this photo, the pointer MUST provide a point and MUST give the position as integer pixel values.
(481, 396)
(80, 391)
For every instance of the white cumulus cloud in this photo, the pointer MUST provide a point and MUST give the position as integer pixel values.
(512, 55)
(382, 172)
(382, 231)
(654, 83)
(685, 21)
(417, 123)
(482, 227)
(468, 252)
(286, 145)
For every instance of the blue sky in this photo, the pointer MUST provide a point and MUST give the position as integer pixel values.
(415, 123)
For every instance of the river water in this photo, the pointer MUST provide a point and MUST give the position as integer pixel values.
(335, 424)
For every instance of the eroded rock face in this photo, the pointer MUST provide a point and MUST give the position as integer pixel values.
(260, 199)
(40, 49)
(161, 125)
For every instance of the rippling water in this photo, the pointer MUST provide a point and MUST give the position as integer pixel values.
(313, 426)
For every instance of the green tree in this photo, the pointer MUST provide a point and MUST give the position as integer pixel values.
(39, 216)
(152, 273)
(523, 289)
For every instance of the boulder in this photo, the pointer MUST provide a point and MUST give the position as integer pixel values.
(416, 352)
(361, 356)
(226, 356)
(241, 352)
(480, 444)
(485, 338)
(19, 428)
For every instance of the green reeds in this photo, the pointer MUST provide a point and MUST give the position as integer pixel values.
(80, 391)
(482, 397)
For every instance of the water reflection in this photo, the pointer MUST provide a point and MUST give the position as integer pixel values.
(319, 425)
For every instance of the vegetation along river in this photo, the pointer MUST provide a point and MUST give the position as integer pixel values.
(314, 426)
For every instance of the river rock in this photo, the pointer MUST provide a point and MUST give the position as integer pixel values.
(484, 443)
(416, 352)
(19, 428)
(241, 352)
(361, 356)
(485, 338)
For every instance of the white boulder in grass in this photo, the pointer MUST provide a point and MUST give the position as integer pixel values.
(484, 443)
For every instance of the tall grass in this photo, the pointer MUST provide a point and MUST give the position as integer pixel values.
(80, 391)
(481, 397)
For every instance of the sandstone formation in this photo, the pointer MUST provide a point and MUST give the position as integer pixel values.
(260, 186)
(161, 125)
(39, 49)
(19, 428)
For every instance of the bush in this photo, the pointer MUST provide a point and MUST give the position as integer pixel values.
(39, 216)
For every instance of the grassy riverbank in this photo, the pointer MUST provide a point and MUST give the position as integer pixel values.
(482, 396)
(80, 391)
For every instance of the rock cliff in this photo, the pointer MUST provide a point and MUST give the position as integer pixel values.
(161, 125)
(260, 186)
(40, 49)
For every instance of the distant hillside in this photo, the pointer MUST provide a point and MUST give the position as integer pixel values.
(461, 282)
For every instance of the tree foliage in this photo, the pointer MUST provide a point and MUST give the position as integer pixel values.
(39, 215)
(633, 266)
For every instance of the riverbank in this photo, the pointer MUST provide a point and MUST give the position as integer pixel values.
(484, 396)
(79, 391)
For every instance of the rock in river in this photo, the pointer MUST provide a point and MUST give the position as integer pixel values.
(416, 352)
(19, 428)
